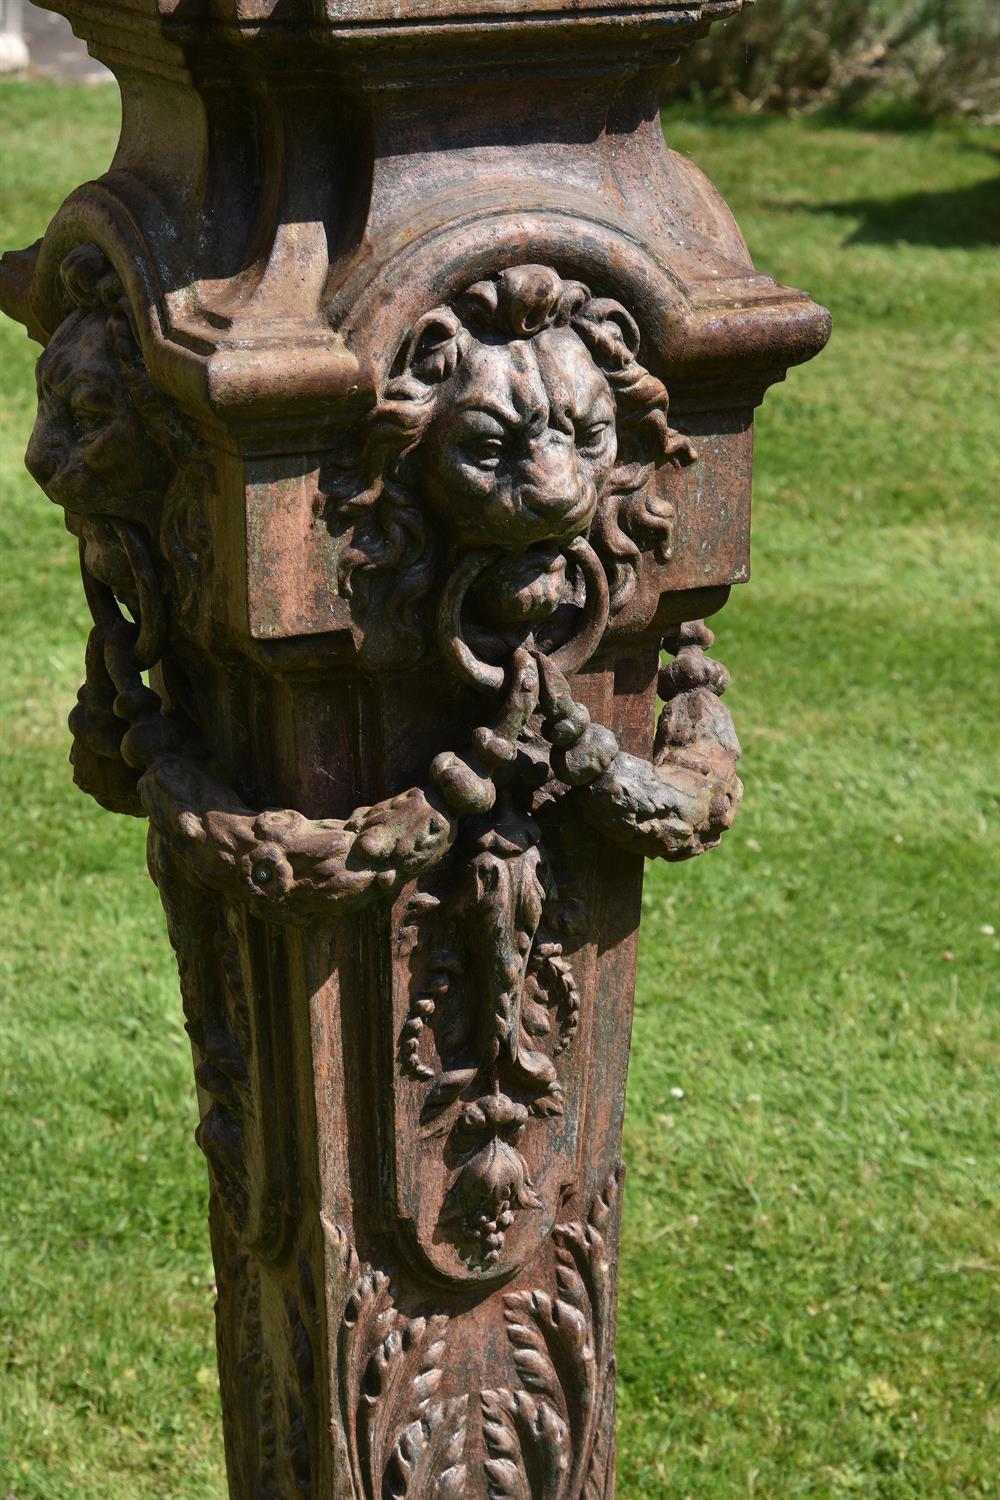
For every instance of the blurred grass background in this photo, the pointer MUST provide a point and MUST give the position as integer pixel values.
(811, 1234)
(905, 60)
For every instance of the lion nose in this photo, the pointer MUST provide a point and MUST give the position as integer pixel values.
(550, 477)
(41, 458)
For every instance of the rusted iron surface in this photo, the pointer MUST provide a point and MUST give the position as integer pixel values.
(398, 387)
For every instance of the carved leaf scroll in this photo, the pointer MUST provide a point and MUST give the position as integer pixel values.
(402, 1442)
(562, 1349)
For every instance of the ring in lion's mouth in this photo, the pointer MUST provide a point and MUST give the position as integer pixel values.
(510, 596)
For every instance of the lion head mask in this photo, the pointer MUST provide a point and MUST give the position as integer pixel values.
(516, 419)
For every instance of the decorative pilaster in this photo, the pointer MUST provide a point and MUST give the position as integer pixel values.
(398, 386)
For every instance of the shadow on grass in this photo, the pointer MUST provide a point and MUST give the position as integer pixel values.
(950, 218)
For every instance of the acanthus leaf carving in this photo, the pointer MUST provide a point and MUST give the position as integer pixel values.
(403, 1443)
(526, 1445)
(600, 1471)
(549, 1439)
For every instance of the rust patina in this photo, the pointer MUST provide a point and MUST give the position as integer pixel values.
(398, 386)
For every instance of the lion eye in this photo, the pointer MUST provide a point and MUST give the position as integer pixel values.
(589, 434)
(487, 451)
(88, 421)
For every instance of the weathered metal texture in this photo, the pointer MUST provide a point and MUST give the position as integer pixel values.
(355, 393)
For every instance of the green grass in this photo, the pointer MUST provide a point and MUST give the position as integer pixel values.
(809, 1302)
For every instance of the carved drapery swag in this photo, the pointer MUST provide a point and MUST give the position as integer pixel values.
(383, 531)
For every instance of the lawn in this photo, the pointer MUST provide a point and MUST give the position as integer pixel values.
(811, 1235)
